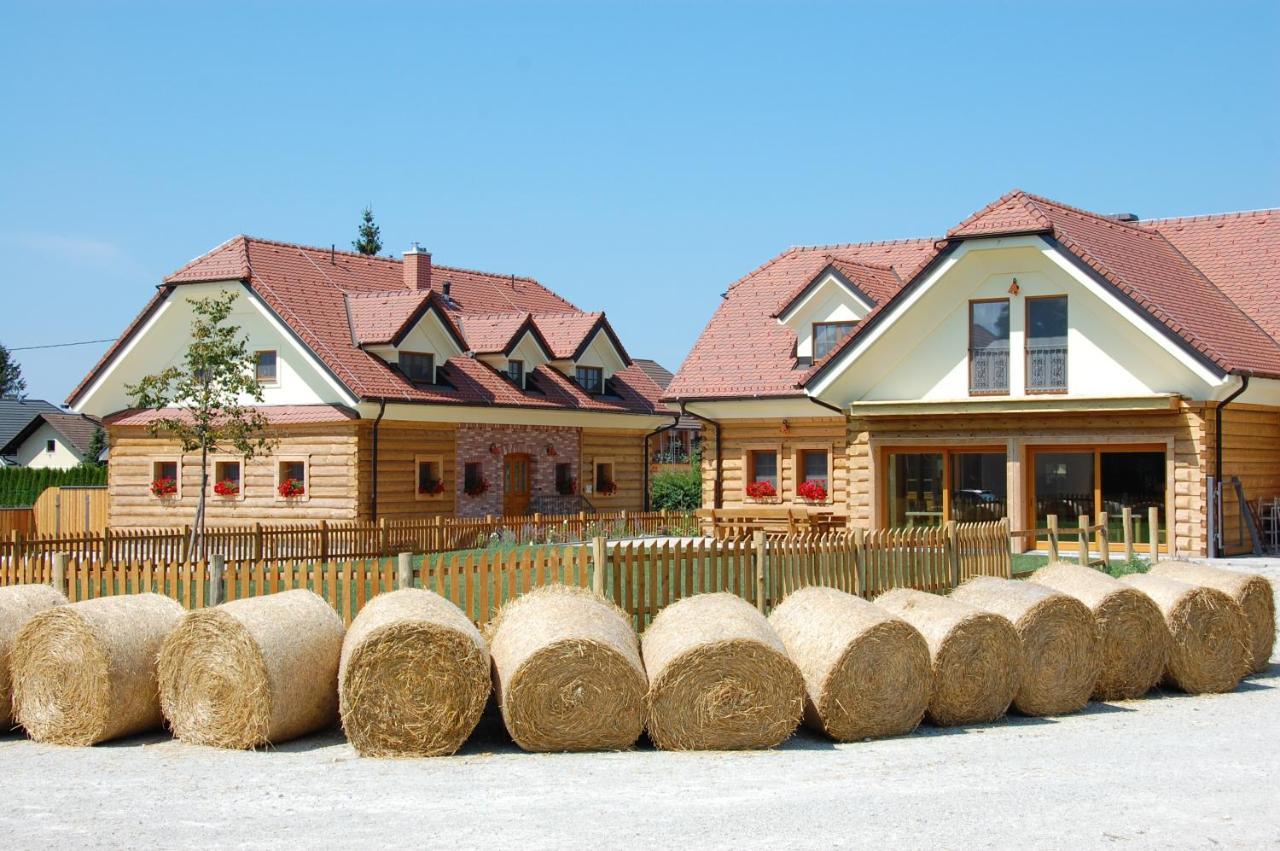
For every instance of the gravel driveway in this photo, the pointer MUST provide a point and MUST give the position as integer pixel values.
(1167, 771)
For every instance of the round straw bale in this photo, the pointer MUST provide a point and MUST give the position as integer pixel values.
(977, 659)
(414, 676)
(253, 672)
(567, 671)
(1061, 647)
(17, 604)
(866, 673)
(719, 677)
(1135, 639)
(1251, 591)
(86, 673)
(1209, 651)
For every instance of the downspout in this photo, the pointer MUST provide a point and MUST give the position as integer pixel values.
(675, 420)
(373, 477)
(1215, 551)
(718, 493)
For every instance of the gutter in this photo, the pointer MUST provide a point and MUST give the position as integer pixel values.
(718, 492)
(1215, 548)
(373, 479)
(675, 420)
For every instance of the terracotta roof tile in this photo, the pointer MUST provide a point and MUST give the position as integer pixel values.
(488, 333)
(276, 415)
(380, 317)
(565, 332)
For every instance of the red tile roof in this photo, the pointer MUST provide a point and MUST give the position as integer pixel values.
(381, 317)
(490, 333)
(275, 414)
(1210, 280)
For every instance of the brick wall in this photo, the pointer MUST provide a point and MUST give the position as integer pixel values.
(477, 442)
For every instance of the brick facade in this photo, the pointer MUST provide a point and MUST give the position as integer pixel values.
(546, 446)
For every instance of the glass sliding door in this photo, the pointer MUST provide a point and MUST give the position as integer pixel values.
(927, 487)
(978, 486)
(914, 485)
(1073, 481)
(1063, 486)
(1135, 480)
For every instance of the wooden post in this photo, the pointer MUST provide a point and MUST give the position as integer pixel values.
(217, 570)
(185, 544)
(324, 540)
(598, 561)
(257, 542)
(758, 545)
(1104, 537)
(1007, 532)
(1153, 531)
(1053, 538)
(952, 547)
(1126, 522)
(624, 523)
(860, 561)
(60, 572)
(384, 537)
(1083, 533)
(404, 570)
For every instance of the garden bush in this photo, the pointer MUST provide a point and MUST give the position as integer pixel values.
(19, 486)
(676, 490)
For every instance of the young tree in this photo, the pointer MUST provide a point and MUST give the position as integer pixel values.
(369, 240)
(212, 392)
(97, 444)
(12, 384)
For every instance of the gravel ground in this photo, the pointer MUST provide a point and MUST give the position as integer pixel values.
(1171, 771)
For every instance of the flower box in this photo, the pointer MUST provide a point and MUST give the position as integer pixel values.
(164, 487)
(227, 487)
(812, 490)
(761, 490)
(476, 488)
(432, 488)
(607, 488)
(291, 488)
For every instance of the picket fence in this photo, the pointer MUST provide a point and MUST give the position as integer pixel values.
(641, 577)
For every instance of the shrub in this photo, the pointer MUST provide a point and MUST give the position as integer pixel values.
(19, 486)
(676, 490)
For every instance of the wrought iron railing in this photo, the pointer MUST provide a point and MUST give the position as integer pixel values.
(989, 370)
(1046, 368)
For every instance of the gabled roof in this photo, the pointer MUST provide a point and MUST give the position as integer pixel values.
(569, 334)
(1208, 282)
(15, 414)
(76, 431)
(871, 283)
(387, 318)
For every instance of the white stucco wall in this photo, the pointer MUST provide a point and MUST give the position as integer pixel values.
(923, 353)
(830, 301)
(32, 452)
(526, 349)
(428, 337)
(600, 353)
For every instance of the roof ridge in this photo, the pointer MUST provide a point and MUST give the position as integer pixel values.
(1083, 212)
(212, 251)
(882, 267)
(1207, 217)
(381, 293)
(835, 246)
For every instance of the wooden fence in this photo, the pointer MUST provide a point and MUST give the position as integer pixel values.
(1096, 537)
(642, 577)
(68, 510)
(19, 520)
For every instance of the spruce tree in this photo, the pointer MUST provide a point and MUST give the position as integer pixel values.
(369, 241)
(12, 384)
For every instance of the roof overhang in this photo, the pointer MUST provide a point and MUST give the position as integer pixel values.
(764, 407)
(602, 324)
(512, 415)
(1020, 405)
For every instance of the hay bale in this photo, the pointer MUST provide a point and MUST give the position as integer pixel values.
(17, 604)
(1251, 591)
(253, 672)
(414, 676)
(1209, 652)
(567, 672)
(86, 673)
(866, 673)
(976, 655)
(1061, 646)
(1135, 638)
(719, 677)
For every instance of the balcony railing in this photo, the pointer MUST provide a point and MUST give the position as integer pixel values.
(989, 371)
(1046, 368)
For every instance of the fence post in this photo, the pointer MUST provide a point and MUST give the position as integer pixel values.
(186, 544)
(1007, 533)
(859, 561)
(624, 522)
(404, 570)
(1082, 522)
(951, 548)
(598, 564)
(60, 572)
(1053, 538)
(217, 570)
(1126, 520)
(257, 542)
(1153, 531)
(106, 544)
(1104, 537)
(324, 540)
(758, 545)
(384, 537)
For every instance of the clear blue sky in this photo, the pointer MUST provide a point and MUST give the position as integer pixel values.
(636, 158)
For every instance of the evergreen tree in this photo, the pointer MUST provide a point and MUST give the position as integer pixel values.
(369, 241)
(12, 384)
(96, 446)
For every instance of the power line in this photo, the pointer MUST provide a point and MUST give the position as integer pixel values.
(61, 345)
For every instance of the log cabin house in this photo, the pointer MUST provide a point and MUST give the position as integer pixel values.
(394, 389)
(1037, 360)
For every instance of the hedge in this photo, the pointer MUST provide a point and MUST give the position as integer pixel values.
(19, 486)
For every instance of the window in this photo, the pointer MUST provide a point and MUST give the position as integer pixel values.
(227, 479)
(827, 335)
(762, 473)
(473, 478)
(50, 446)
(515, 372)
(591, 379)
(1047, 344)
(565, 485)
(291, 478)
(417, 367)
(430, 477)
(927, 487)
(265, 369)
(989, 347)
(165, 479)
(606, 485)
(1084, 481)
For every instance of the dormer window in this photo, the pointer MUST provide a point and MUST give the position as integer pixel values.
(590, 379)
(417, 366)
(515, 372)
(827, 335)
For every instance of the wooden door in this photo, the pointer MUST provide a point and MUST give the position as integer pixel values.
(517, 481)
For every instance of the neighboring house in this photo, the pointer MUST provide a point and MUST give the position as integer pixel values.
(1037, 359)
(34, 433)
(395, 388)
(674, 447)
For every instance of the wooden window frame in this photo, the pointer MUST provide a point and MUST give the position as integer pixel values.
(218, 460)
(797, 468)
(969, 351)
(598, 370)
(431, 379)
(165, 459)
(269, 382)
(596, 464)
(418, 461)
(749, 471)
(1026, 347)
(306, 477)
(947, 451)
(519, 383)
(813, 331)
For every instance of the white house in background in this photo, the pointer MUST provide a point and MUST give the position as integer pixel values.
(34, 433)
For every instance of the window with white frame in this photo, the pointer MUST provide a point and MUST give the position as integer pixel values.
(166, 478)
(293, 478)
(228, 479)
(266, 368)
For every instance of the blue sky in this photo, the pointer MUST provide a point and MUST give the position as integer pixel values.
(636, 158)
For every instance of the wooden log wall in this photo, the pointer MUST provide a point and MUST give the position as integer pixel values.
(1251, 451)
(399, 444)
(788, 436)
(626, 450)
